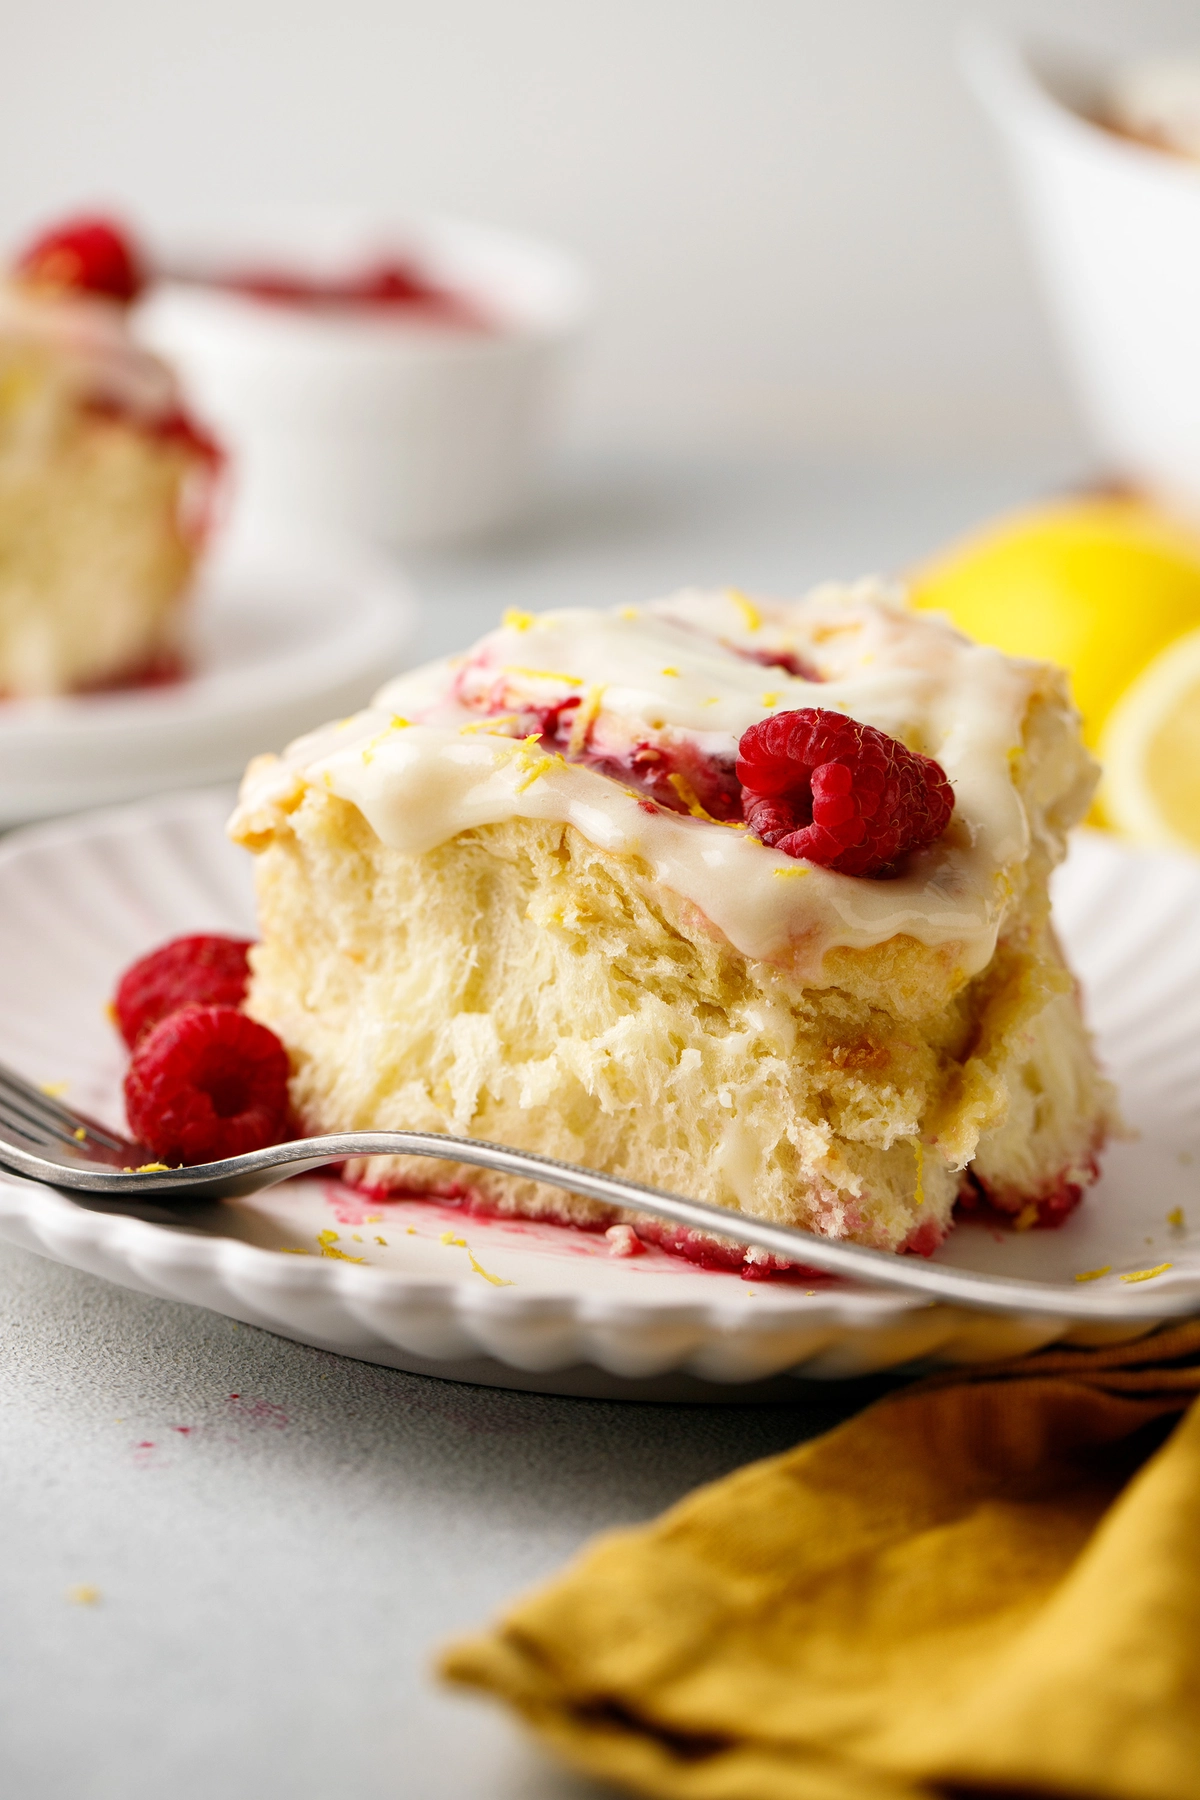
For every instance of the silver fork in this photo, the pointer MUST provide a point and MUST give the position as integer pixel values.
(45, 1141)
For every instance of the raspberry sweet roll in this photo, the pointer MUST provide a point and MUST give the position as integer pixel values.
(105, 482)
(747, 901)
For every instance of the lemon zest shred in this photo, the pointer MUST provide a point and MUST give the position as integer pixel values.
(790, 874)
(516, 620)
(153, 1168)
(1147, 1274)
(488, 724)
(1094, 1274)
(80, 1133)
(628, 612)
(542, 674)
(448, 1237)
(508, 748)
(771, 699)
(691, 800)
(584, 719)
(539, 769)
(396, 723)
(327, 1240)
(54, 1090)
(1026, 1217)
(381, 1240)
(1175, 1217)
(478, 1268)
(668, 671)
(83, 1595)
(294, 1250)
(750, 613)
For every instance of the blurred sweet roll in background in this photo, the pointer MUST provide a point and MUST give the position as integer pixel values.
(106, 478)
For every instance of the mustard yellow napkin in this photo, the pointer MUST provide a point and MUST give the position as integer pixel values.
(986, 1582)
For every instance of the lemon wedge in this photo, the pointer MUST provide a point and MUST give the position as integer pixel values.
(1101, 586)
(1150, 748)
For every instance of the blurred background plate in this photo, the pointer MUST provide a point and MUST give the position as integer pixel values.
(280, 641)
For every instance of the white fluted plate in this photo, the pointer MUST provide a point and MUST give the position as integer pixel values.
(537, 1306)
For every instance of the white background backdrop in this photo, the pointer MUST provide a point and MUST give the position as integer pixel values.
(799, 226)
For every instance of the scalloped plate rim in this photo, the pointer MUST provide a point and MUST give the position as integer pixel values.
(135, 1248)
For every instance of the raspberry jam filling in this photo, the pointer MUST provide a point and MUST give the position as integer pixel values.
(676, 775)
(1041, 1212)
(695, 1247)
(787, 660)
(812, 783)
(389, 287)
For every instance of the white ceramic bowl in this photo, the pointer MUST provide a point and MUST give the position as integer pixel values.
(352, 424)
(1116, 228)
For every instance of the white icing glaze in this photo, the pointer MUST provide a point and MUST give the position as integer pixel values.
(427, 760)
(95, 353)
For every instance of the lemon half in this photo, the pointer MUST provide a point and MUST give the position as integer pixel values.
(1101, 586)
(1150, 749)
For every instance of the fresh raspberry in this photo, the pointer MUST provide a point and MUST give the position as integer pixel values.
(207, 1082)
(818, 785)
(189, 971)
(89, 254)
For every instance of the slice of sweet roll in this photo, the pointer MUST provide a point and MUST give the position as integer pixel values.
(105, 482)
(745, 900)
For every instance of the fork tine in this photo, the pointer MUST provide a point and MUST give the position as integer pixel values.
(48, 1129)
(33, 1104)
(14, 1123)
(21, 1134)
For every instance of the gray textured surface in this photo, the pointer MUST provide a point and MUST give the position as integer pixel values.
(281, 1538)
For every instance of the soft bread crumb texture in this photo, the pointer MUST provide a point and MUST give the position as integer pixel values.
(94, 550)
(519, 984)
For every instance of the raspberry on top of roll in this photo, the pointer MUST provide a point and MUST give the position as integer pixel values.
(745, 899)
